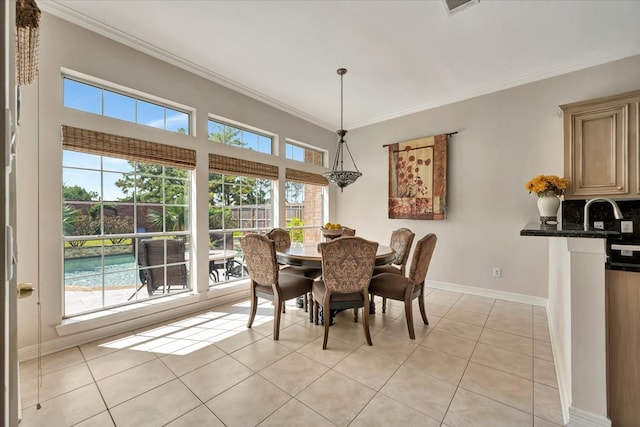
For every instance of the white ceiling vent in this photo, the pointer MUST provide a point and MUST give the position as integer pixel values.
(454, 6)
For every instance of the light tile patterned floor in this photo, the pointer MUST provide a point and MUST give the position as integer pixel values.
(480, 362)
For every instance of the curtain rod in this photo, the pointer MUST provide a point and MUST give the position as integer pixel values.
(448, 134)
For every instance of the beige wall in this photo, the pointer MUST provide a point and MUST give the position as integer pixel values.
(504, 139)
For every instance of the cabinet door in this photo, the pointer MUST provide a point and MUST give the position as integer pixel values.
(598, 150)
(623, 347)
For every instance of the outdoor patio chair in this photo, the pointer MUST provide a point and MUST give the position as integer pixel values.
(162, 259)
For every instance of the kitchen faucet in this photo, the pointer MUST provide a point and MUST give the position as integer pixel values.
(616, 210)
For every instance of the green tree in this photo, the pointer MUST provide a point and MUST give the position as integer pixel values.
(154, 184)
(77, 193)
(174, 218)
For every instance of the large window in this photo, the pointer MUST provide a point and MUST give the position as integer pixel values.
(305, 197)
(238, 204)
(239, 137)
(302, 153)
(125, 221)
(108, 103)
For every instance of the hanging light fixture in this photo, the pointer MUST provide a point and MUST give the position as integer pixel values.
(338, 175)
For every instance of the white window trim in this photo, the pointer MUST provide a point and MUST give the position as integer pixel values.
(127, 91)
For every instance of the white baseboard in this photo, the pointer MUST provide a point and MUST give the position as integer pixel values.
(491, 293)
(580, 418)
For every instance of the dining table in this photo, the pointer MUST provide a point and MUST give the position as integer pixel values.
(221, 259)
(310, 256)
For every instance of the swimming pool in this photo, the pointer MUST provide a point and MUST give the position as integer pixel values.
(118, 271)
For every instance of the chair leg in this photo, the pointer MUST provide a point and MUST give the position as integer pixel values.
(276, 320)
(306, 303)
(355, 315)
(327, 322)
(310, 304)
(408, 312)
(423, 312)
(365, 318)
(384, 304)
(316, 312)
(254, 309)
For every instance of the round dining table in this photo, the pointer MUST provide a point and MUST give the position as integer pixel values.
(310, 256)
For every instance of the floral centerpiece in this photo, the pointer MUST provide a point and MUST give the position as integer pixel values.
(548, 188)
(542, 184)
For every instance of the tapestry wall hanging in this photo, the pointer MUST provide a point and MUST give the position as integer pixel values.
(418, 178)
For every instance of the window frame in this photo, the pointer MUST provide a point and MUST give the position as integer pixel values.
(136, 95)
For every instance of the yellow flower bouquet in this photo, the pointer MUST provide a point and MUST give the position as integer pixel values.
(542, 184)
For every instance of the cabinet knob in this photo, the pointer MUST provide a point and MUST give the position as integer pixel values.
(619, 188)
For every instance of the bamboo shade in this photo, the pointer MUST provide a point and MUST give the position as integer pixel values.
(233, 166)
(306, 177)
(27, 41)
(92, 142)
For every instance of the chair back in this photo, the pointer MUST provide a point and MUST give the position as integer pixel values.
(156, 254)
(401, 241)
(347, 264)
(260, 256)
(281, 238)
(348, 232)
(221, 239)
(422, 258)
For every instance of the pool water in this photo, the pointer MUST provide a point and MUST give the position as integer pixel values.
(119, 270)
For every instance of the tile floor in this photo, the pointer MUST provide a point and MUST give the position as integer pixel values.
(480, 362)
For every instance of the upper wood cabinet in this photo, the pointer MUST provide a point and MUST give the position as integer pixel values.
(601, 152)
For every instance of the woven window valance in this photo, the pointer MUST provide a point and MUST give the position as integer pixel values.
(92, 142)
(233, 166)
(306, 177)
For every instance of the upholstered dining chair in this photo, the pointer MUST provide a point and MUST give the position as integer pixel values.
(401, 288)
(347, 265)
(348, 232)
(401, 241)
(267, 281)
(282, 240)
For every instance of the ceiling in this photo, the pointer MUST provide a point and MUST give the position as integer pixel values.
(402, 56)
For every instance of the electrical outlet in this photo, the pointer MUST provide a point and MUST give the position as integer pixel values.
(626, 226)
(497, 272)
(598, 224)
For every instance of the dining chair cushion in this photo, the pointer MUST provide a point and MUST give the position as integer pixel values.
(389, 285)
(319, 290)
(387, 268)
(291, 286)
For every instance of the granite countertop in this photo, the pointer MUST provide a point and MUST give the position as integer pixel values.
(567, 230)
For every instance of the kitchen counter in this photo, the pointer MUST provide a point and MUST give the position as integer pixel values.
(567, 230)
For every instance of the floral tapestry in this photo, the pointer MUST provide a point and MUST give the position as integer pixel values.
(418, 178)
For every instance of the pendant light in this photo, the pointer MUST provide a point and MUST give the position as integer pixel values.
(338, 175)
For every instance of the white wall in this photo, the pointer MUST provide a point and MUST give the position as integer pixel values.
(504, 140)
(40, 157)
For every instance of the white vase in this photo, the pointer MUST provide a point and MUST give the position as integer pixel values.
(548, 206)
